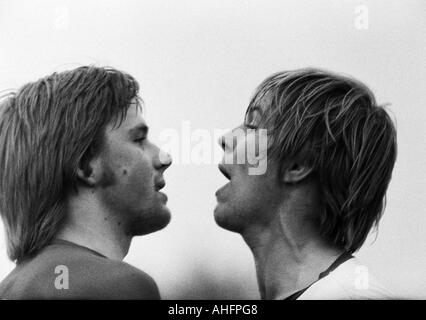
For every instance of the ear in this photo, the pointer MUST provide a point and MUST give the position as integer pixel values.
(296, 171)
(89, 172)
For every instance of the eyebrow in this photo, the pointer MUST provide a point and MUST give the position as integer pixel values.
(139, 128)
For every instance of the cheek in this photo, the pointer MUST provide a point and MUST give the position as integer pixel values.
(253, 192)
(108, 178)
(130, 169)
(133, 187)
(139, 176)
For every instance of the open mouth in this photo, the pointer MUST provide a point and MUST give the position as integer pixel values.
(224, 172)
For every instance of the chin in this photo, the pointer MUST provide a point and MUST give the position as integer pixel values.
(226, 219)
(157, 220)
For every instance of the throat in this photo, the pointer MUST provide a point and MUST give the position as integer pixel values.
(283, 270)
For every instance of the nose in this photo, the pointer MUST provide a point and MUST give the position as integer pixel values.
(164, 160)
(221, 142)
(226, 142)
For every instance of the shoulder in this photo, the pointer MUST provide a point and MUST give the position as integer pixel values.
(93, 277)
(118, 280)
(67, 273)
(352, 280)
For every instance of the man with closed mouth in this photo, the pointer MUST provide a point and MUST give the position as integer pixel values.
(326, 166)
(79, 178)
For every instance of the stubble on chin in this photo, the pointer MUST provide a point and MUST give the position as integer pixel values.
(228, 220)
(149, 222)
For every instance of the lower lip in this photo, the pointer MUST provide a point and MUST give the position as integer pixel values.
(163, 195)
(220, 193)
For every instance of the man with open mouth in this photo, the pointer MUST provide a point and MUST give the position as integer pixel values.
(330, 154)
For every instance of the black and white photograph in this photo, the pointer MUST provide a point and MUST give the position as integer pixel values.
(219, 150)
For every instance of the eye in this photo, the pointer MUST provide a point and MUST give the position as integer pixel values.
(250, 126)
(252, 118)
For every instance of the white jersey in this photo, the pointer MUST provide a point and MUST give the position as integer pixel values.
(351, 280)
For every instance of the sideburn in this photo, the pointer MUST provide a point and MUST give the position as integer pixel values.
(108, 178)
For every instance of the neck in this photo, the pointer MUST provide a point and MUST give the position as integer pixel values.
(288, 257)
(89, 225)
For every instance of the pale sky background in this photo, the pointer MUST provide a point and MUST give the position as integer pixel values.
(199, 62)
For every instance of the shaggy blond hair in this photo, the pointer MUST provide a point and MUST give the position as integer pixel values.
(347, 138)
(47, 129)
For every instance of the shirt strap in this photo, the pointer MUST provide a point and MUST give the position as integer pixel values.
(345, 256)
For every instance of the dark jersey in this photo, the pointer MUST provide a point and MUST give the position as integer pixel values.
(64, 270)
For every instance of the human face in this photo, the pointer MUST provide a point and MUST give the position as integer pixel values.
(133, 176)
(247, 200)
